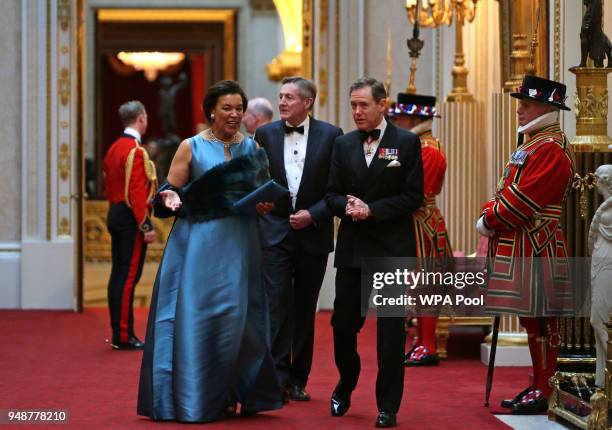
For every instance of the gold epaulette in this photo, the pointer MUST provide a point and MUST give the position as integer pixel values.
(149, 168)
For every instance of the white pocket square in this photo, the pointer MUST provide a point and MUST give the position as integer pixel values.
(394, 163)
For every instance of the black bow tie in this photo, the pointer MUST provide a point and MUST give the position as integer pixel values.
(289, 129)
(374, 134)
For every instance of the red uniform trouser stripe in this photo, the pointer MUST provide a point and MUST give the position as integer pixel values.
(128, 287)
(426, 331)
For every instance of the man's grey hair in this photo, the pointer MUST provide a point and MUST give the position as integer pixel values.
(378, 89)
(307, 88)
(129, 111)
(262, 107)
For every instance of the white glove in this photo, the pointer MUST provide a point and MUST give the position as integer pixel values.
(482, 229)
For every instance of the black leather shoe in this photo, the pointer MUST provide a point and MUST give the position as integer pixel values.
(508, 403)
(132, 343)
(533, 402)
(298, 393)
(340, 403)
(386, 419)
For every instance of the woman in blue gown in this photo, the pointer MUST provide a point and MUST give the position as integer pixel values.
(207, 343)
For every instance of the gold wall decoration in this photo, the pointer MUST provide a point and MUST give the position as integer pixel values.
(63, 162)
(582, 184)
(64, 141)
(262, 5)
(322, 55)
(337, 61)
(64, 227)
(307, 37)
(557, 41)
(97, 240)
(48, 154)
(63, 14)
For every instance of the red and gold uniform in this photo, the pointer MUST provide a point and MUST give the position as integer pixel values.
(529, 273)
(526, 216)
(417, 112)
(130, 183)
(431, 238)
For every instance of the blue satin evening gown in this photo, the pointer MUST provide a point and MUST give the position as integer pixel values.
(207, 334)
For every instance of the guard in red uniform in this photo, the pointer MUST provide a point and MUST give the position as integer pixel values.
(415, 113)
(130, 183)
(529, 273)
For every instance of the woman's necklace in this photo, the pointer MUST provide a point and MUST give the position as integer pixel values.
(227, 144)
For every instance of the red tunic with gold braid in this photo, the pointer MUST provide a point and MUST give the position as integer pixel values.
(130, 178)
(430, 229)
(525, 214)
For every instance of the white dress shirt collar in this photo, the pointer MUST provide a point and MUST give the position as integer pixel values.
(133, 133)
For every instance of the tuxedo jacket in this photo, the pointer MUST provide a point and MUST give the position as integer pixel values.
(392, 194)
(318, 237)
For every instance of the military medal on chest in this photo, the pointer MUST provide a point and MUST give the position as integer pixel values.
(387, 153)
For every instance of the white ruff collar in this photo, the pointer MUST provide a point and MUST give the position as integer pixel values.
(539, 123)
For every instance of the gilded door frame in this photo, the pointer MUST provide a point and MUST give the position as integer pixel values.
(86, 211)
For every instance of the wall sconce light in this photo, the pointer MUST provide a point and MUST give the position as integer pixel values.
(289, 62)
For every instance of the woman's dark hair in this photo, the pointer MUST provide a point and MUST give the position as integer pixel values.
(219, 89)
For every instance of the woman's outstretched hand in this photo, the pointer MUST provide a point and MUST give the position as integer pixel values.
(171, 200)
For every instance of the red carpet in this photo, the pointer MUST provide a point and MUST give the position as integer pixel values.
(58, 360)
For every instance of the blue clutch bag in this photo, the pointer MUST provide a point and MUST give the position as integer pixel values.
(271, 191)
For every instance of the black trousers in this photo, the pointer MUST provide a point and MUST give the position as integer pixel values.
(128, 253)
(292, 280)
(347, 321)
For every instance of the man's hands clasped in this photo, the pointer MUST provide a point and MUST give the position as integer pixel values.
(357, 209)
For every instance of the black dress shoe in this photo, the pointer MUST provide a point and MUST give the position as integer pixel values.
(386, 419)
(508, 403)
(298, 393)
(533, 402)
(132, 343)
(340, 403)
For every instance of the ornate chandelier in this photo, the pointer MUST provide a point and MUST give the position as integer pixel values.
(151, 63)
(434, 13)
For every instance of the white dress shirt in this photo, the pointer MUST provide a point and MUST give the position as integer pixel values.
(295, 156)
(372, 147)
(133, 133)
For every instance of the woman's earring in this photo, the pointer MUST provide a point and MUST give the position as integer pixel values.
(212, 116)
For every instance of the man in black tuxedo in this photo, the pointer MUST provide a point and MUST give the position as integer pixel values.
(297, 235)
(375, 183)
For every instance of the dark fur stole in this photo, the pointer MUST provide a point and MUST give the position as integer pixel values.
(214, 193)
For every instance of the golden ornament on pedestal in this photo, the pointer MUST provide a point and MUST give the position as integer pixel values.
(591, 108)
